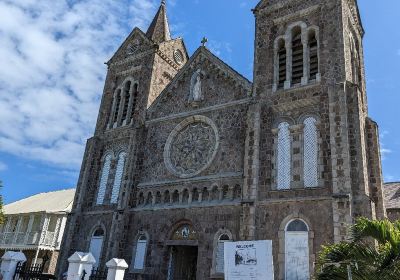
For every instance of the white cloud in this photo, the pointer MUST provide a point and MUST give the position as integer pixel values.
(218, 48)
(384, 151)
(52, 73)
(3, 166)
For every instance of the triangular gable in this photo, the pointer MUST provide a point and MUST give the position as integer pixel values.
(201, 54)
(136, 33)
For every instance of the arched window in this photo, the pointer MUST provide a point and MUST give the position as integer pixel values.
(219, 258)
(127, 96)
(283, 157)
(313, 53)
(195, 196)
(185, 197)
(237, 192)
(225, 192)
(297, 261)
(175, 197)
(149, 198)
(310, 153)
(281, 63)
(103, 179)
(167, 197)
(140, 253)
(135, 93)
(297, 56)
(206, 195)
(117, 103)
(141, 199)
(158, 198)
(215, 193)
(118, 177)
(96, 245)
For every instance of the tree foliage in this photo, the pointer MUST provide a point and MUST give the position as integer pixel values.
(373, 253)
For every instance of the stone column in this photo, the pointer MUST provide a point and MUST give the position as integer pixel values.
(79, 264)
(116, 269)
(9, 262)
(251, 171)
(297, 169)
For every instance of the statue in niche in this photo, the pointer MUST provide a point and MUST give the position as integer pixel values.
(196, 93)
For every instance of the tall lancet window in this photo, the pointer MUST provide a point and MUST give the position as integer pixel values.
(310, 153)
(219, 254)
(281, 63)
(103, 179)
(127, 97)
(297, 56)
(135, 93)
(313, 52)
(96, 245)
(118, 177)
(116, 106)
(140, 253)
(283, 157)
(297, 260)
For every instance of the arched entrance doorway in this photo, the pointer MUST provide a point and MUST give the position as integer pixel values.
(183, 251)
(297, 251)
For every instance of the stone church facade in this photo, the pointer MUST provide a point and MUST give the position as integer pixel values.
(188, 154)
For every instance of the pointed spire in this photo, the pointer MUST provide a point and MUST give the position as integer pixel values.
(159, 29)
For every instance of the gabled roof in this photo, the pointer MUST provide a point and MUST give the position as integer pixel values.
(135, 31)
(159, 31)
(51, 202)
(213, 58)
(391, 193)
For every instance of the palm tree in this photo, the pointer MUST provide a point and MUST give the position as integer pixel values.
(372, 254)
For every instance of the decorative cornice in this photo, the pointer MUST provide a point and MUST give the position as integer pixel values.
(301, 13)
(199, 111)
(192, 180)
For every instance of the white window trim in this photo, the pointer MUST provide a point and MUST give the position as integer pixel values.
(103, 181)
(218, 235)
(134, 252)
(119, 174)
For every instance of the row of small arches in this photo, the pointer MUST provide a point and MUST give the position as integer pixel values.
(298, 49)
(124, 104)
(187, 196)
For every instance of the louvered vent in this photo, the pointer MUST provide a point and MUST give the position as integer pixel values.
(127, 96)
(313, 47)
(117, 102)
(135, 94)
(297, 58)
(282, 65)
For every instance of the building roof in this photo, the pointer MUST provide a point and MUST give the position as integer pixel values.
(392, 195)
(159, 28)
(51, 202)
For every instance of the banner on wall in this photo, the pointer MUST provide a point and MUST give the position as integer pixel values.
(250, 260)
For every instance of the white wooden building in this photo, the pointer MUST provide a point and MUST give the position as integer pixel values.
(35, 226)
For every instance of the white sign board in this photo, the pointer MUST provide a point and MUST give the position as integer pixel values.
(250, 260)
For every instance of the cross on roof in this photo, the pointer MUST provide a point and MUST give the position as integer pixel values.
(204, 41)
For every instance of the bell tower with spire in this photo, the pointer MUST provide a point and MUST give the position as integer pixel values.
(149, 61)
(138, 72)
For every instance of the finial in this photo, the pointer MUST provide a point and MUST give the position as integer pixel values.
(204, 41)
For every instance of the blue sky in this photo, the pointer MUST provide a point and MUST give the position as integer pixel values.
(52, 74)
